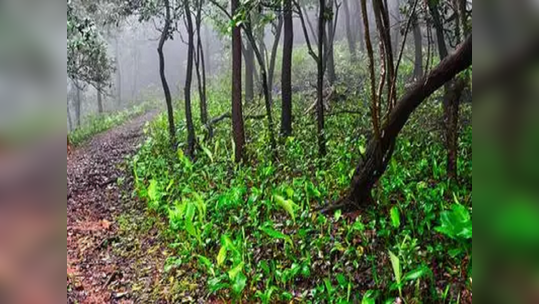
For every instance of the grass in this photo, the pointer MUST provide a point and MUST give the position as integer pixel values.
(248, 233)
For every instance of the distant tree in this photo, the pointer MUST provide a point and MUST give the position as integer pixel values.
(200, 64)
(191, 139)
(350, 37)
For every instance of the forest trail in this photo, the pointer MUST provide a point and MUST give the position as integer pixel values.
(98, 191)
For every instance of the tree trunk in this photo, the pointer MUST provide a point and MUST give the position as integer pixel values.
(418, 44)
(382, 22)
(273, 58)
(69, 119)
(78, 103)
(249, 72)
(166, 89)
(320, 80)
(451, 100)
(191, 139)
(265, 87)
(379, 152)
(237, 112)
(201, 72)
(118, 75)
(358, 25)
(349, 32)
(329, 39)
(286, 76)
(99, 99)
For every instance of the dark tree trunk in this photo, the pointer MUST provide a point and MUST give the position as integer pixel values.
(166, 89)
(191, 139)
(418, 45)
(382, 22)
(329, 39)
(273, 59)
(350, 37)
(99, 99)
(320, 80)
(286, 76)
(237, 112)
(201, 72)
(249, 57)
(451, 100)
(379, 152)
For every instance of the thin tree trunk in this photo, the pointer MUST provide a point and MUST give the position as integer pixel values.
(237, 111)
(329, 38)
(379, 152)
(358, 24)
(191, 139)
(286, 76)
(69, 119)
(78, 103)
(118, 74)
(201, 72)
(166, 89)
(349, 32)
(99, 99)
(418, 45)
(320, 80)
(249, 72)
(271, 72)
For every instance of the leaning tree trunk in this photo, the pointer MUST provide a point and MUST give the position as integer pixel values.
(286, 76)
(166, 89)
(191, 140)
(379, 152)
(237, 111)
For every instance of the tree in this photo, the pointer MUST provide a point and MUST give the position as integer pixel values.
(286, 70)
(380, 150)
(249, 56)
(201, 69)
(165, 34)
(418, 46)
(191, 140)
(237, 112)
(350, 38)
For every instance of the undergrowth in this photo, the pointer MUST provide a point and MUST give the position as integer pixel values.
(248, 232)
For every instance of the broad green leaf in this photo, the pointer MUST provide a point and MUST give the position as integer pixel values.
(287, 205)
(395, 263)
(369, 298)
(395, 217)
(153, 192)
(239, 283)
(208, 152)
(206, 262)
(277, 235)
(221, 257)
(232, 273)
(338, 215)
(417, 273)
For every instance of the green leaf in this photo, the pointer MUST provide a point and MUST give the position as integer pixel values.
(232, 273)
(239, 283)
(206, 262)
(277, 235)
(395, 263)
(189, 226)
(369, 298)
(417, 273)
(221, 257)
(395, 217)
(287, 205)
(208, 152)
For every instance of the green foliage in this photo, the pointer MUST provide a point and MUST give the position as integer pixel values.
(247, 232)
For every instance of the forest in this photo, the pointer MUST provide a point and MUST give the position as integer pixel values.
(269, 151)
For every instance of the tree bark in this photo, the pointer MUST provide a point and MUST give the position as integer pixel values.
(191, 139)
(320, 80)
(201, 72)
(237, 111)
(271, 71)
(349, 32)
(78, 103)
(249, 57)
(99, 99)
(69, 119)
(329, 39)
(379, 152)
(166, 89)
(418, 45)
(286, 76)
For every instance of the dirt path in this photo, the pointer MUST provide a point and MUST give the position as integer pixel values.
(98, 191)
